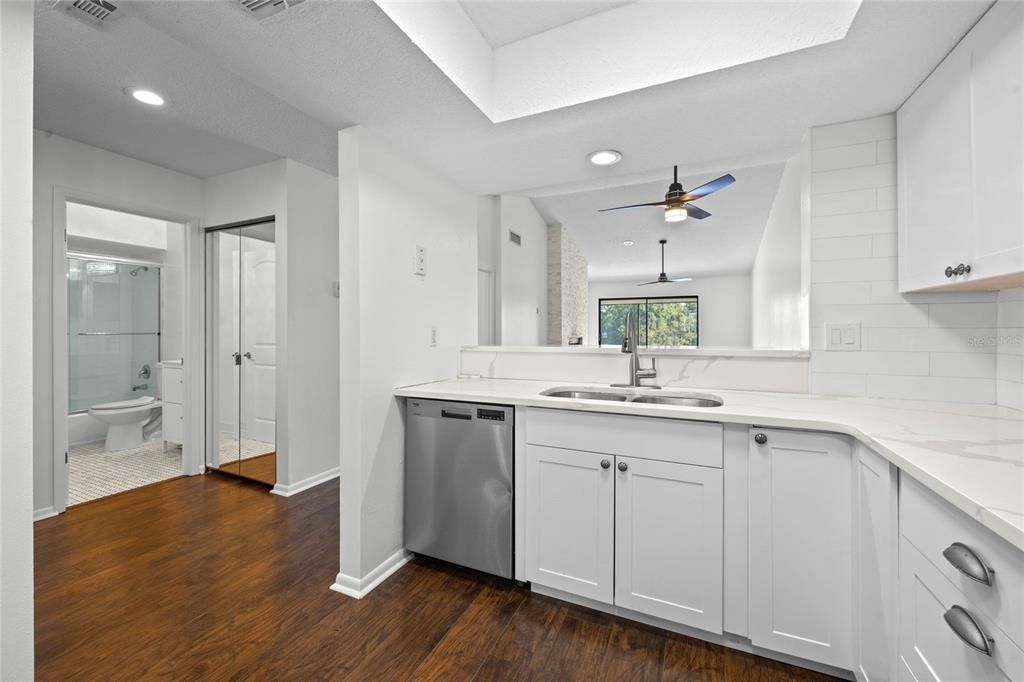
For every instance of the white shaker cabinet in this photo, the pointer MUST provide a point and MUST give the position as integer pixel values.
(668, 541)
(800, 544)
(960, 152)
(570, 521)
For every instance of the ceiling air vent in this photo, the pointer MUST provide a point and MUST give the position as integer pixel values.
(515, 238)
(261, 9)
(92, 11)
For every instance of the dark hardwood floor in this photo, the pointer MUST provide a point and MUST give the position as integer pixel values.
(210, 578)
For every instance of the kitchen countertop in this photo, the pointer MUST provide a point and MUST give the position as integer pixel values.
(970, 455)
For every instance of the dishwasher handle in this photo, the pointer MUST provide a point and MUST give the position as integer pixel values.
(448, 414)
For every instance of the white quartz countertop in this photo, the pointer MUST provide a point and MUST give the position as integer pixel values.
(971, 455)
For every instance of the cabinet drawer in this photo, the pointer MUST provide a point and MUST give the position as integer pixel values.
(172, 423)
(669, 440)
(932, 525)
(172, 385)
(929, 649)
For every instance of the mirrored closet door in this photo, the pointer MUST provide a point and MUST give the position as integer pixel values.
(242, 357)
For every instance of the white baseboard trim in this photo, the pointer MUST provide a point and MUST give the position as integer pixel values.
(360, 587)
(44, 513)
(305, 484)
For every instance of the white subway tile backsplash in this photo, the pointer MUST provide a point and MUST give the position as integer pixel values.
(855, 270)
(1010, 394)
(888, 292)
(962, 314)
(850, 224)
(959, 389)
(857, 201)
(837, 248)
(974, 365)
(886, 198)
(932, 339)
(854, 132)
(883, 246)
(875, 362)
(1008, 340)
(1011, 312)
(838, 384)
(1010, 367)
(878, 175)
(886, 151)
(825, 293)
(848, 156)
(872, 315)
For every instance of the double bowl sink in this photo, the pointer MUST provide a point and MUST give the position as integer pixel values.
(610, 395)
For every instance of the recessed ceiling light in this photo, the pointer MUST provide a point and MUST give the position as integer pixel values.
(604, 157)
(145, 96)
(628, 242)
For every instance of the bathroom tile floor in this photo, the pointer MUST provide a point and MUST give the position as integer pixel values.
(94, 471)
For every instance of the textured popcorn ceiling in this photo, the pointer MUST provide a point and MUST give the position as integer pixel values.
(240, 91)
(511, 67)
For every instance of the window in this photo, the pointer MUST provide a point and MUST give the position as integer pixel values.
(666, 322)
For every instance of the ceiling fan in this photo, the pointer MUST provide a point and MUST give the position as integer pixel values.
(676, 203)
(663, 278)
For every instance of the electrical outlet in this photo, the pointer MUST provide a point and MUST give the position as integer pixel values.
(433, 337)
(842, 336)
(420, 263)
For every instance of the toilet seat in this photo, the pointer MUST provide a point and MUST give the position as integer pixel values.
(125, 404)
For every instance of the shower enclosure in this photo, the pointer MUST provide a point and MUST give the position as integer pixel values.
(113, 330)
(242, 350)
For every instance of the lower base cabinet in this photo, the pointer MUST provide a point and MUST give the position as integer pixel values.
(641, 534)
(800, 544)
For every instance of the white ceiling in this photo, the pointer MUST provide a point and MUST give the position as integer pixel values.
(724, 243)
(502, 22)
(284, 85)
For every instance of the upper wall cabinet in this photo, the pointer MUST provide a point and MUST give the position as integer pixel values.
(960, 140)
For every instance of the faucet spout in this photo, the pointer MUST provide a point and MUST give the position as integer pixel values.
(630, 345)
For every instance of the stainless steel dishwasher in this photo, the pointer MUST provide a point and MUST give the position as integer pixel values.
(458, 483)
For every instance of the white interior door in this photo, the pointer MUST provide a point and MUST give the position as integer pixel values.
(258, 342)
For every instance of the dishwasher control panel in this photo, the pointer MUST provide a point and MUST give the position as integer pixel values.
(490, 415)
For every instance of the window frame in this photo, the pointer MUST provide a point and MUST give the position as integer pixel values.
(646, 302)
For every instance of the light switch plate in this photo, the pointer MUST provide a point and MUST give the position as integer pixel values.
(420, 263)
(842, 336)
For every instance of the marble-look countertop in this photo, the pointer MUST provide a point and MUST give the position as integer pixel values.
(970, 455)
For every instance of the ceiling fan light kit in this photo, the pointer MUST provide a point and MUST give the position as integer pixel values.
(675, 214)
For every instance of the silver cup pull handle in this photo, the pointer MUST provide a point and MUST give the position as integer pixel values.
(967, 561)
(968, 630)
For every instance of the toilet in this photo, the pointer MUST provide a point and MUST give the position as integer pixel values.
(125, 420)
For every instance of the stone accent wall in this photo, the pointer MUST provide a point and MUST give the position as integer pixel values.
(567, 288)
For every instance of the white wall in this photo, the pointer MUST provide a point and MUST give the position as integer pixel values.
(723, 308)
(387, 313)
(16, 343)
(1010, 349)
(778, 302)
(915, 346)
(112, 179)
(523, 273)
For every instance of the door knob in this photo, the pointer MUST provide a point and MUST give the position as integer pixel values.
(247, 355)
(623, 466)
(760, 438)
(605, 464)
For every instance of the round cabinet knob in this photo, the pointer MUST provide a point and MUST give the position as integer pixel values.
(949, 271)
(605, 464)
(963, 269)
(623, 466)
(760, 438)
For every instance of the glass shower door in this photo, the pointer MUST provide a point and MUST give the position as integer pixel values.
(241, 281)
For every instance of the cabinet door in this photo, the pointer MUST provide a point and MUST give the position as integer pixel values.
(876, 537)
(668, 541)
(800, 545)
(935, 198)
(173, 425)
(997, 113)
(570, 531)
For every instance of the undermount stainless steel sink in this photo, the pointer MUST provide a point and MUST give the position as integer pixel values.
(586, 395)
(683, 399)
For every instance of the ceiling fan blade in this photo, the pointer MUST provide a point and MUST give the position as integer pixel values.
(681, 279)
(643, 284)
(696, 212)
(709, 187)
(616, 208)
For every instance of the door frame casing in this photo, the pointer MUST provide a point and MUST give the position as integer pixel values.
(194, 332)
